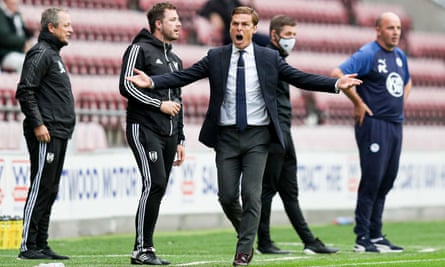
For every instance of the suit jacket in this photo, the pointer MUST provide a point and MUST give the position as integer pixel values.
(271, 69)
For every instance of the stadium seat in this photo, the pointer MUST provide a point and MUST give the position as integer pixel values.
(94, 84)
(8, 80)
(11, 135)
(196, 99)
(315, 11)
(298, 107)
(366, 13)
(94, 58)
(88, 137)
(186, 8)
(327, 38)
(105, 58)
(190, 54)
(9, 109)
(424, 72)
(319, 63)
(96, 4)
(95, 24)
(205, 33)
(427, 72)
(426, 106)
(426, 44)
(335, 109)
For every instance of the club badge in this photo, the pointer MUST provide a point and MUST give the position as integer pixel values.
(153, 155)
(49, 157)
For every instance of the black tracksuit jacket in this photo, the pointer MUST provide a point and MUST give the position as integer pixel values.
(150, 55)
(44, 90)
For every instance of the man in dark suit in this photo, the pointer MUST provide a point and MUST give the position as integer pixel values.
(240, 149)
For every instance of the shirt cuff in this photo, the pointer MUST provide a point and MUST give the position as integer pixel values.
(337, 90)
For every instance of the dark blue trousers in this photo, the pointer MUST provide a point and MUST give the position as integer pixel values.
(379, 143)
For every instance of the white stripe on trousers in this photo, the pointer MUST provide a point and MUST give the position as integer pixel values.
(32, 198)
(145, 169)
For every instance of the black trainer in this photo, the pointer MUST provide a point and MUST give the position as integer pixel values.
(32, 254)
(271, 249)
(53, 255)
(147, 258)
(384, 245)
(364, 244)
(317, 247)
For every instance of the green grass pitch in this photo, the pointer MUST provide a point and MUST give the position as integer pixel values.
(424, 244)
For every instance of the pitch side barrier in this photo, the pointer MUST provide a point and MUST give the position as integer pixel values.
(99, 191)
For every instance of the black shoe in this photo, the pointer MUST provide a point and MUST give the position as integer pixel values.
(364, 244)
(53, 255)
(317, 247)
(241, 259)
(271, 249)
(32, 254)
(147, 258)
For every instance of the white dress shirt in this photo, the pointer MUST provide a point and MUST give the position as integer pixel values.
(256, 108)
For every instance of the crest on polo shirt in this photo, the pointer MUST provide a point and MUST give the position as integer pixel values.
(153, 156)
(49, 157)
(394, 84)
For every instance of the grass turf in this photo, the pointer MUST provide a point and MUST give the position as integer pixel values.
(423, 242)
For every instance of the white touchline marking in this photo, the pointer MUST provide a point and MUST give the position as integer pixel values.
(382, 262)
(427, 250)
(197, 263)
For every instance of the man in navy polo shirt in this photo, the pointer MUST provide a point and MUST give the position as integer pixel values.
(378, 104)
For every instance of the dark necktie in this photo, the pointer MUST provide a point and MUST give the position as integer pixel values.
(241, 114)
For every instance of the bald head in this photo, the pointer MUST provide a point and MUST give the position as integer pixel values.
(388, 29)
(386, 16)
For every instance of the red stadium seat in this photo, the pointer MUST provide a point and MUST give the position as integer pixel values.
(366, 13)
(427, 72)
(97, 4)
(89, 137)
(319, 63)
(96, 58)
(315, 11)
(9, 108)
(11, 135)
(206, 34)
(186, 8)
(327, 38)
(95, 24)
(426, 44)
(426, 106)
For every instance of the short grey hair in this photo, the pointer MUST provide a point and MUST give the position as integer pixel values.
(50, 16)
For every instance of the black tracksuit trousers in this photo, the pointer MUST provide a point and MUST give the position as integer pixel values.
(47, 161)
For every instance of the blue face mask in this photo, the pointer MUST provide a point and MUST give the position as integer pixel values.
(287, 44)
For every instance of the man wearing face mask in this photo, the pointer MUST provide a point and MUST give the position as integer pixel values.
(281, 167)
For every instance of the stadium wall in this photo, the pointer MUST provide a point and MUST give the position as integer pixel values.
(99, 190)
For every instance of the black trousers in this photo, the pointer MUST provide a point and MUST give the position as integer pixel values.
(240, 161)
(154, 155)
(47, 161)
(280, 176)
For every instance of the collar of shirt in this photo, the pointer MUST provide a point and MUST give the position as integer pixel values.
(248, 49)
(256, 109)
